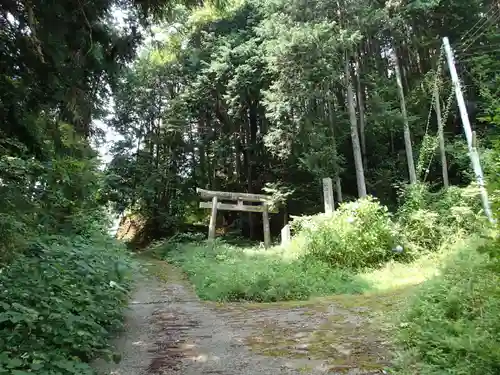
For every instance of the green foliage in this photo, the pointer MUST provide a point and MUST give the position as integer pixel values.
(358, 234)
(492, 248)
(145, 180)
(254, 95)
(56, 197)
(52, 87)
(493, 176)
(452, 325)
(429, 219)
(221, 272)
(59, 303)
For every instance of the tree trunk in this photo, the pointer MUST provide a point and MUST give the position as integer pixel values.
(361, 108)
(237, 155)
(444, 164)
(338, 184)
(407, 137)
(201, 150)
(250, 141)
(356, 148)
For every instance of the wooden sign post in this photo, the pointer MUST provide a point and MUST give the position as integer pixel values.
(215, 205)
(328, 195)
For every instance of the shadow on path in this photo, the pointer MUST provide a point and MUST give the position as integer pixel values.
(170, 331)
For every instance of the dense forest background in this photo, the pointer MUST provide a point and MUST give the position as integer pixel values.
(272, 96)
(258, 96)
(249, 96)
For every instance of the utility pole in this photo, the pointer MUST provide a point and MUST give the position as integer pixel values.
(473, 154)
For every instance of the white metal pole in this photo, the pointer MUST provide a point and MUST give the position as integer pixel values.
(474, 156)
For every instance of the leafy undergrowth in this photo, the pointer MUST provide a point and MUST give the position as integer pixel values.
(429, 220)
(452, 324)
(58, 304)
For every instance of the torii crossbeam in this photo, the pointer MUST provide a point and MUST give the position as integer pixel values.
(240, 198)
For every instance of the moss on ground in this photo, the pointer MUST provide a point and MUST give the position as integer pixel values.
(162, 270)
(348, 331)
(355, 332)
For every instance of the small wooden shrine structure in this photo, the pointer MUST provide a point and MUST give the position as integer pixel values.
(216, 204)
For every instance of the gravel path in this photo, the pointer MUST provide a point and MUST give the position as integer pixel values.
(169, 331)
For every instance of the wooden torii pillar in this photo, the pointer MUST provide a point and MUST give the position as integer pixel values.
(240, 198)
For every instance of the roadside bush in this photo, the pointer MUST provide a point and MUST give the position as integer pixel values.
(452, 325)
(58, 303)
(221, 272)
(359, 234)
(429, 220)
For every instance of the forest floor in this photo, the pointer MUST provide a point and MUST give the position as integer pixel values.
(170, 331)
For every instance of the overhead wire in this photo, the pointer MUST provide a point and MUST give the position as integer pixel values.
(474, 79)
(466, 53)
(467, 41)
(492, 8)
(479, 52)
(483, 20)
(492, 44)
(460, 59)
(475, 36)
(436, 88)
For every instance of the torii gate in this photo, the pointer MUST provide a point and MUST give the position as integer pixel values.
(215, 205)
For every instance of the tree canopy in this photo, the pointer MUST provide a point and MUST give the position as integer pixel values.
(60, 62)
(279, 94)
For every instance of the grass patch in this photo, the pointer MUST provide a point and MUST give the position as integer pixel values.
(221, 272)
(452, 325)
(225, 273)
(395, 275)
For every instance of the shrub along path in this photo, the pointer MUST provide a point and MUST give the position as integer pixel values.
(170, 331)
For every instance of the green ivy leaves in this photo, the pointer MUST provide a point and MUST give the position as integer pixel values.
(59, 305)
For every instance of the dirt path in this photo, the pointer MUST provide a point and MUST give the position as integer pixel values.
(170, 331)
